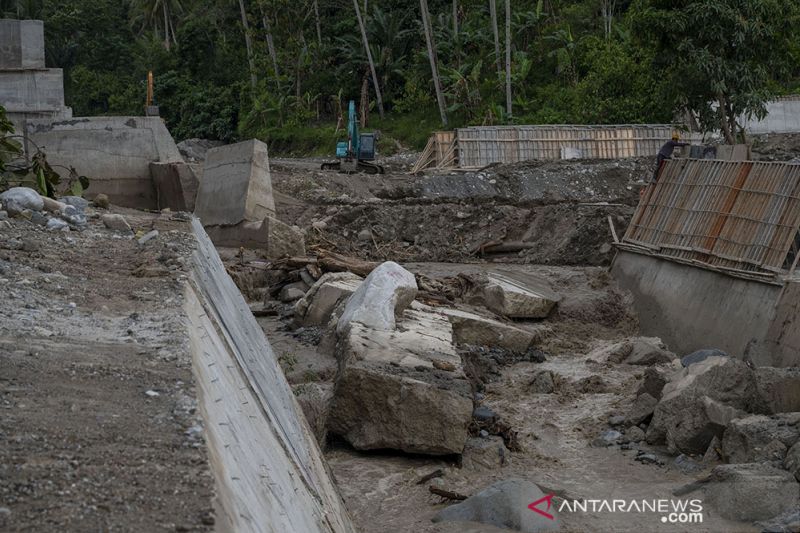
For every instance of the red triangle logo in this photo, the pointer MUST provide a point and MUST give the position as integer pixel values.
(549, 499)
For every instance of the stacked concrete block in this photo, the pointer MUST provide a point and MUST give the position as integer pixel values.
(27, 88)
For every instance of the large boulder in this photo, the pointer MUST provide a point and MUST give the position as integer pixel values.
(404, 390)
(641, 409)
(751, 491)
(318, 304)
(758, 438)
(779, 388)
(653, 381)
(17, 199)
(645, 351)
(700, 401)
(385, 293)
(792, 461)
(469, 328)
(485, 452)
(505, 504)
(514, 298)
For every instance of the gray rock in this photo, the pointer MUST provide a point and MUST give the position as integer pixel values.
(315, 401)
(150, 235)
(292, 292)
(751, 491)
(115, 222)
(365, 235)
(385, 293)
(488, 452)
(686, 464)
(73, 216)
(476, 330)
(646, 351)
(101, 201)
(788, 522)
(3, 215)
(792, 460)
(641, 410)
(483, 413)
(616, 420)
(56, 224)
(77, 202)
(531, 298)
(40, 219)
(758, 438)
(17, 199)
(654, 380)
(505, 504)
(543, 382)
(316, 307)
(701, 355)
(697, 404)
(404, 389)
(647, 458)
(607, 438)
(779, 388)
(634, 434)
(714, 452)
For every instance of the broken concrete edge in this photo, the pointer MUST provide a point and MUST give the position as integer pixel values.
(274, 237)
(233, 361)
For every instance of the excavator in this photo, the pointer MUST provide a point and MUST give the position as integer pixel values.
(355, 154)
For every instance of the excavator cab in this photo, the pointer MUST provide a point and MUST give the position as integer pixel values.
(355, 154)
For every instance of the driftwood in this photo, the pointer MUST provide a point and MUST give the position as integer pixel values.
(446, 494)
(327, 261)
(427, 477)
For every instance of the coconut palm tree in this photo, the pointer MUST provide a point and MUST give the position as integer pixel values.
(157, 15)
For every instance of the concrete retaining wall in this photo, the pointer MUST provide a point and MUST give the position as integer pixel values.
(269, 472)
(692, 308)
(783, 116)
(113, 152)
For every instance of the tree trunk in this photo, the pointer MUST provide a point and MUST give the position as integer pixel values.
(426, 24)
(272, 54)
(508, 58)
(723, 119)
(319, 28)
(250, 59)
(363, 107)
(369, 58)
(493, 13)
(166, 25)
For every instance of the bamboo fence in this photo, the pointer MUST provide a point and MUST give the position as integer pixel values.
(736, 216)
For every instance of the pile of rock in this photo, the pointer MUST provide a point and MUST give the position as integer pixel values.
(721, 409)
(68, 212)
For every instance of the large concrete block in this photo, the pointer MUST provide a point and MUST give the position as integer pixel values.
(176, 185)
(404, 390)
(21, 44)
(32, 91)
(113, 152)
(751, 491)
(271, 235)
(236, 185)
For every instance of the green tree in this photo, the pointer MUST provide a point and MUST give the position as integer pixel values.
(719, 54)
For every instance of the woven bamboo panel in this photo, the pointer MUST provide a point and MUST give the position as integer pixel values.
(482, 145)
(736, 215)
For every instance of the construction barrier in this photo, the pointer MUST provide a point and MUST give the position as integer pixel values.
(479, 146)
(735, 216)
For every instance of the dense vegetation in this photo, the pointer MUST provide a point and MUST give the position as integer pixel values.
(284, 71)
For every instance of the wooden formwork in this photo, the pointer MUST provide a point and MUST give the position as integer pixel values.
(440, 152)
(737, 216)
(483, 145)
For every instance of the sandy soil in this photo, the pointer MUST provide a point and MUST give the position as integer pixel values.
(90, 331)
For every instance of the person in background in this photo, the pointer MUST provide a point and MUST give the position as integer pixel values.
(666, 153)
